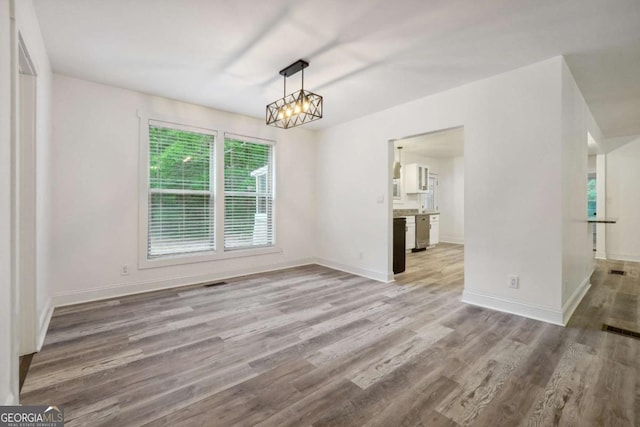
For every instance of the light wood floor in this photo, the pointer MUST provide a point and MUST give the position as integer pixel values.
(313, 346)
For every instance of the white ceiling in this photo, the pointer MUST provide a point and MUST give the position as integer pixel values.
(365, 55)
(441, 144)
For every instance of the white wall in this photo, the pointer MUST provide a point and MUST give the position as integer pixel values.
(623, 202)
(8, 350)
(451, 203)
(591, 164)
(512, 167)
(94, 180)
(577, 246)
(22, 15)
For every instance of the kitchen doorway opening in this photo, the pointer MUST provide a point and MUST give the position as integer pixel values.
(427, 192)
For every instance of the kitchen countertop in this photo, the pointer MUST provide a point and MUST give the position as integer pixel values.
(597, 220)
(399, 213)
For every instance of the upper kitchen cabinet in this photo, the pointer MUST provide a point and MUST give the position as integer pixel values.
(416, 178)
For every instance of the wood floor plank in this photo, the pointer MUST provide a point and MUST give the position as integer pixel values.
(481, 381)
(564, 398)
(415, 407)
(311, 346)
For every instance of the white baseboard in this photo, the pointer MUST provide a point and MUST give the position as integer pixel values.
(574, 300)
(531, 311)
(114, 291)
(43, 324)
(600, 255)
(623, 257)
(370, 274)
(449, 238)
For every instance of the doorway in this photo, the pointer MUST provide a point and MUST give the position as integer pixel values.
(428, 198)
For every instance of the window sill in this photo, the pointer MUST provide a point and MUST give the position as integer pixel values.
(208, 257)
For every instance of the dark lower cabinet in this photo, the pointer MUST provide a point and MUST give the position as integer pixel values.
(399, 244)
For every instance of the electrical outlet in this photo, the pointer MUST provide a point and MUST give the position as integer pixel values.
(361, 255)
(514, 282)
(124, 270)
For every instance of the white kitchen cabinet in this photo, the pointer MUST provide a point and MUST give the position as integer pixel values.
(411, 233)
(415, 178)
(434, 231)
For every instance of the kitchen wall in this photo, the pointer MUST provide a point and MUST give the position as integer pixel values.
(450, 173)
(412, 201)
(623, 202)
(512, 194)
(94, 183)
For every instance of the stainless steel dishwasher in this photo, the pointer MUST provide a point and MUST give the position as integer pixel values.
(422, 232)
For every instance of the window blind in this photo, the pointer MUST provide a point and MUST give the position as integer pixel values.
(181, 202)
(248, 199)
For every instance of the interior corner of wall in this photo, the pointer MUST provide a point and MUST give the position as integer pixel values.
(571, 304)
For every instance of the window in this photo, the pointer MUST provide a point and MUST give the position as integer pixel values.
(180, 190)
(248, 193)
(396, 190)
(202, 199)
(591, 195)
(431, 197)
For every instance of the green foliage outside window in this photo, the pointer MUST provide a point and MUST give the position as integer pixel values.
(591, 197)
(240, 159)
(180, 221)
(179, 159)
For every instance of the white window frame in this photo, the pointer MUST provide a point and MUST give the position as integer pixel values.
(217, 190)
(435, 190)
(261, 141)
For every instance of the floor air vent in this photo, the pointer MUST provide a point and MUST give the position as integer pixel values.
(211, 285)
(620, 331)
(618, 272)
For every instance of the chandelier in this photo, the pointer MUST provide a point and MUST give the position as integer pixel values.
(297, 108)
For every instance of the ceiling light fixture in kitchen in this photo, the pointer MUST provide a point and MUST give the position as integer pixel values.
(296, 108)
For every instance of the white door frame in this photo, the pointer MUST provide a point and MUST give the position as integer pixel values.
(25, 200)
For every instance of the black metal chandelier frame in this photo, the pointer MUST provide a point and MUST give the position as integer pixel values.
(296, 108)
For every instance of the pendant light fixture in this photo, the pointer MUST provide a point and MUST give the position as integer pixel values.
(296, 108)
(397, 165)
